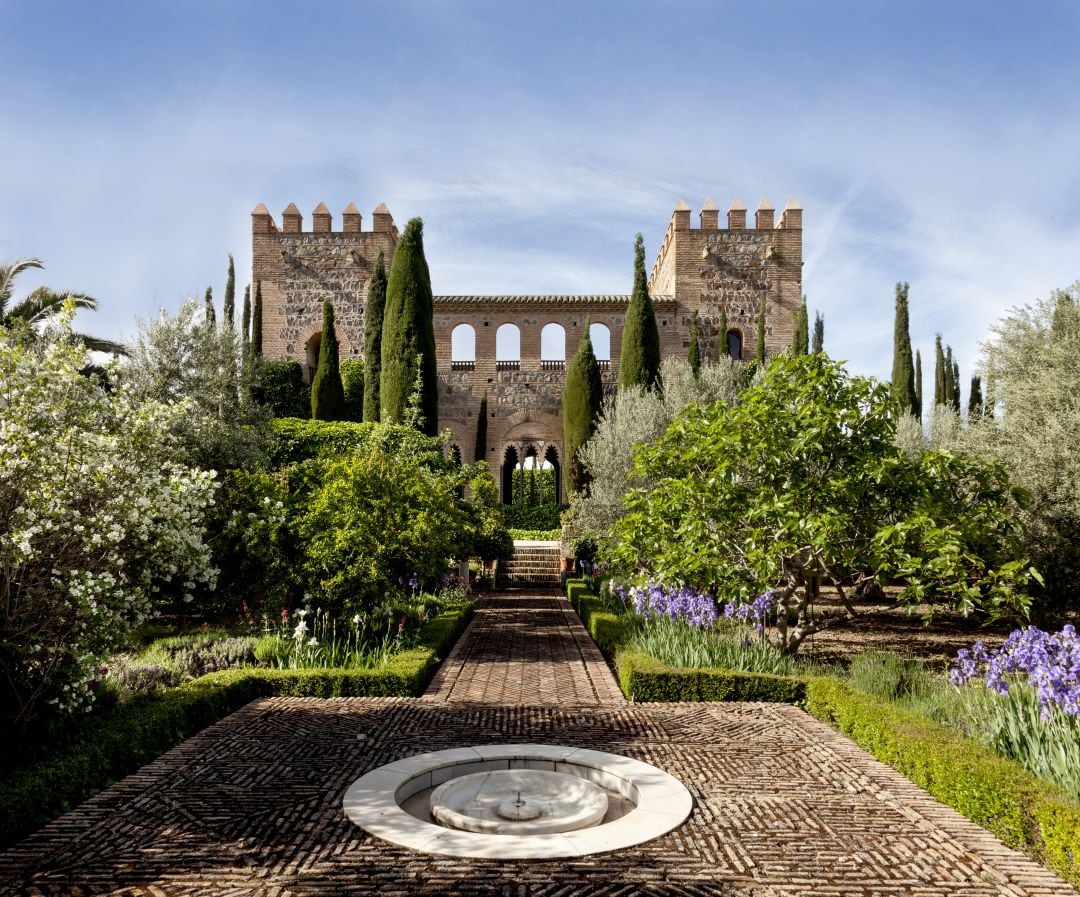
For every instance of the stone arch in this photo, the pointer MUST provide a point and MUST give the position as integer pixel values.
(463, 343)
(734, 342)
(553, 342)
(508, 343)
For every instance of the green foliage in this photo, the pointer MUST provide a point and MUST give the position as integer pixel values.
(375, 519)
(583, 395)
(229, 309)
(408, 340)
(209, 315)
(939, 373)
(693, 356)
(327, 392)
(903, 369)
(638, 417)
(643, 678)
(639, 358)
(605, 626)
(491, 539)
(534, 486)
(535, 535)
(721, 336)
(538, 517)
(480, 450)
(256, 322)
(802, 481)
(800, 343)
(114, 744)
(888, 676)
(677, 643)
(952, 398)
(245, 321)
(352, 383)
(759, 345)
(975, 399)
(918, 386)
(178, 361)
(819, 333)
(280, 387)
(373, 327)
(993, 792)
(303, 440)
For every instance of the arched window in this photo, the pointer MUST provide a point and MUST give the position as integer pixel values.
(601, 341)
(553, 343)
(734, 344)
(508, 343)
(463, 343)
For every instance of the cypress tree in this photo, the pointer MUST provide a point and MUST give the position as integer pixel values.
(583, 395)
(693, 357)
(373, 326)
(956, 386)
(759, 349)
(949, 391)
(721, 331)
(639, 360)
(245, 320)
(409, 332)
(819, 333)
(903, 371)
(208, 301)
(352, 384)
(229, 309)
(327, 393)
(975, 399)
(918, 385)
(256, 321)
(800, 343)
(939, 372)
(481, 431)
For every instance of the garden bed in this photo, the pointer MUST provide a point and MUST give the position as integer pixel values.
(136, 731)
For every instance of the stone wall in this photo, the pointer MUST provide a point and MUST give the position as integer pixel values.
(707, 269)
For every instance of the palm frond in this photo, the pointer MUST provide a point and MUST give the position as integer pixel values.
(98, 344)
(45, 303)
(8, 273)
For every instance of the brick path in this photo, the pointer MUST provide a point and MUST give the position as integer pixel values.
(783, 806)
(525, 647)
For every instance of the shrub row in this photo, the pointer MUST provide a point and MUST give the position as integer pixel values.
(603, 625)
(998, 794)
(643, 678)
(135, 732)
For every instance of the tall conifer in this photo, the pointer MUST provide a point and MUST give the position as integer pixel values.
(639, 359)
(481, 430)
(256, 322)
(409, 334)
(327, 393)
(903, 370)
(956, 386)
(819, 333)
(918, 385)
(950, 379)
(373, 327)
(693, 357)
(245, 320)
(722, 349)
(975, 399)
(229, 308)
(759, 348)
(583, 395)
(800, 343)
(208, 302)
(939, 372)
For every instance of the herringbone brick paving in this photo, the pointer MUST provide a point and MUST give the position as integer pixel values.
(252, 806)
(525, 647)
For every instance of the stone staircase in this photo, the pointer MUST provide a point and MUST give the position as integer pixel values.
(532, 564)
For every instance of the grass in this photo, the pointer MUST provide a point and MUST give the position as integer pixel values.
(535, 535)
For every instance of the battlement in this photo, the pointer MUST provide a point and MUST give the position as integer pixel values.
(709, 218)
(262, 222)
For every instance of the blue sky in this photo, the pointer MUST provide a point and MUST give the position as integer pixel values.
(929, 142)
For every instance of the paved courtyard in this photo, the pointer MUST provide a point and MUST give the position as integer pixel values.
(252, 806)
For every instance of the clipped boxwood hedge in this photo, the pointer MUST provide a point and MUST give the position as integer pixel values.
(643, 678)
(998, 794)
(603, 625)
(141, 729)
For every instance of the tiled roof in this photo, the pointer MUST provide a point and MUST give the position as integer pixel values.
(607, 299)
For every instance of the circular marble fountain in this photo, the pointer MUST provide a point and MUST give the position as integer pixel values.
(517, 801)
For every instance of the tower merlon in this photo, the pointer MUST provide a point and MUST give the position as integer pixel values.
(765, 214)
(382, 220)
(680, 218)
(710, 216)
(351, 219)
(791, 217)
(261, 220)
(736, 215)
(320, 219)
(292, 220)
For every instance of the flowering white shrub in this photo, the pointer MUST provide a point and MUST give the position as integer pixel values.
(97, 519)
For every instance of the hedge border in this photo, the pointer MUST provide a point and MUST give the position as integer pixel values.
(143, 728)
(1000, 795)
